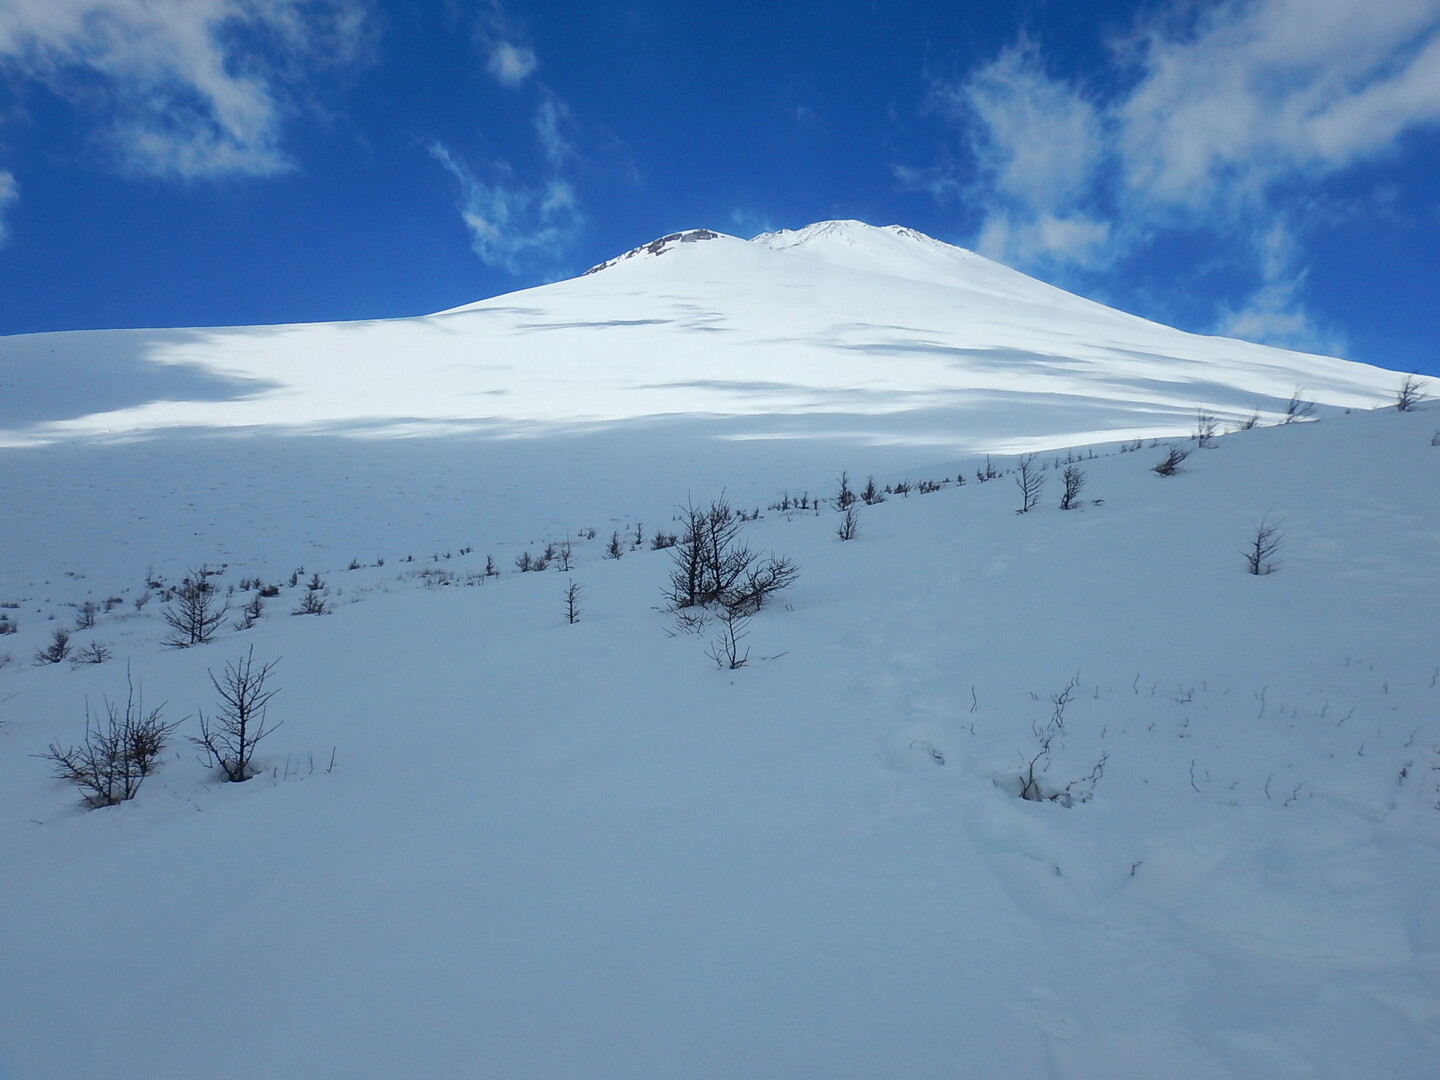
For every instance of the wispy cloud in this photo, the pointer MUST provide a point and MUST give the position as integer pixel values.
(553, 122)
(510, 64)
(1040, 239)
(514, 223)
(511, 224)
(748, 223)
(1275, 312)
(182, 88)
(1037, 138)
(1036, 145)
(1253, 93)
(9, 195)
(509, 58)
(1212, 117)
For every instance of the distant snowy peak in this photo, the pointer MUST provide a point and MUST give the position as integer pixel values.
(889, 248)
(853, 243)
(657, 247)
(910, 255)
(854, 234)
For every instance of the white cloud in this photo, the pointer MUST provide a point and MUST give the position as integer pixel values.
(1274, 315)
(1275, 312)
(9, 196)
(1042, 239)
(1038, 144)
(941, 182)
(1258, 92)
(515, 224)
(552, 117)
(1217, 117)
(175, 90)
(1037, 138)
(510, 64)
(511, 224)
(747, 223)
(508, 58)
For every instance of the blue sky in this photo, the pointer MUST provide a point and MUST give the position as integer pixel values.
(1265, 168)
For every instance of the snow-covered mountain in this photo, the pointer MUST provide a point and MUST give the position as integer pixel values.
(509, 829)
(695, 362)
(884, 330)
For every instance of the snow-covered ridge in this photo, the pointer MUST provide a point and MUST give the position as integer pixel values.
(850, 233)
(656, 247)
(815, 238)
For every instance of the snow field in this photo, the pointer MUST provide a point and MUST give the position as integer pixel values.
(555, 850)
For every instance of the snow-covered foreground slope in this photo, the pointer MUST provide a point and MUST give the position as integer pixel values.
(553, 850)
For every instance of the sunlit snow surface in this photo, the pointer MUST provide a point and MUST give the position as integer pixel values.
(552, 850)
(743, 365)
(882, 335)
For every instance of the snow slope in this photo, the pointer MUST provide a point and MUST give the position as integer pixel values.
(840, 320)
(583, 851)
(491, 843)
(691, 364)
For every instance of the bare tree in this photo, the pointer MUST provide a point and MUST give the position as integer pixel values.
(119, 751)
(1265, 543)
(726, 650)
(93, 653)
(1206, 425)
(572, 603)
(250, 614)
(1074, 480)
(230, 739)
(1029, 480)
(709, 557)
(312, 603)
(1298, 408)
(710, 564)
(1038, 763)
(1410, 394)
(849, 526)
(1171, 465)
(58, 649)
(870, 493)
(759, 580)
(846, 498)
(197, 610)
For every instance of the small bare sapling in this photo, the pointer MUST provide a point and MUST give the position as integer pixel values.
(230, 738)
(1265, 543)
